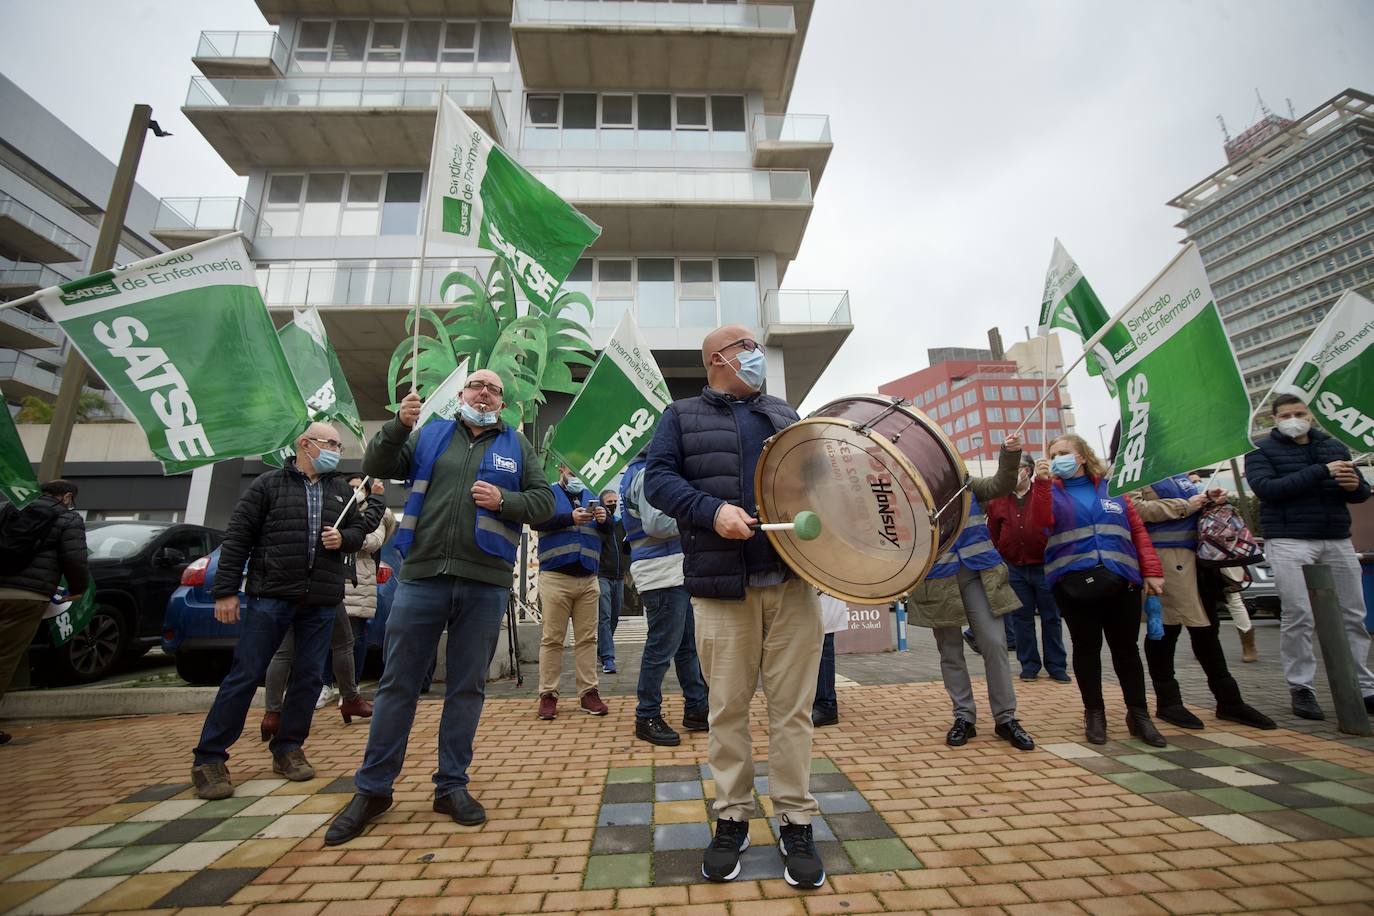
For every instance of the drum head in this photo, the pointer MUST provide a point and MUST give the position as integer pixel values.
(876, 538)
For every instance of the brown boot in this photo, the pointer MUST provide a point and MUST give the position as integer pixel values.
(355, 707)
(212, 781)
(271, 721)
(1248, 652)
(293, 766)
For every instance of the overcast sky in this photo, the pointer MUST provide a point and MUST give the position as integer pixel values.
(968, 135)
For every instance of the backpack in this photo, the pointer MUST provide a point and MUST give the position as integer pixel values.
(23, 533)
(1223, 539)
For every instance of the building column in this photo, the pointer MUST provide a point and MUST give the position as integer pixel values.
(214, 493)
(776, 380)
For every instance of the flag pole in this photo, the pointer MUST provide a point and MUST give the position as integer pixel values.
(1044, 421)
(359, 495)
(424, 240)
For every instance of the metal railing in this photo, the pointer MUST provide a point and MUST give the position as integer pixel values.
(791, 128)
(21, 367)
(30, 277)
(346, 92)
(622, 13)
(24, 321)
(243, 46)
(299, 287)
(39, 224)
(807, 306)
(228, 214)
(778, 185)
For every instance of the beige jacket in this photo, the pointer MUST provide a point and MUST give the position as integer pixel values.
(361, 600)
(1181, 602)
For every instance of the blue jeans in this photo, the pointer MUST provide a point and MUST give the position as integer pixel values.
(672, 637)
(1029, 584)
(264, 625)
(826, 703)
(420, 611)
(608, 617)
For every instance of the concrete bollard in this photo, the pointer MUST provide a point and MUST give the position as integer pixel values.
(1351, 717)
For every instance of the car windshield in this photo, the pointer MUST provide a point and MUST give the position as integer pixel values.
(115, 542)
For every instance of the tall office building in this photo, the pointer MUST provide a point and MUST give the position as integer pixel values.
(1286, 227)
(664, 122)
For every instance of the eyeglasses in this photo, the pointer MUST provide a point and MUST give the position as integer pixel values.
(478, 385)
(335, 444)
(748, 343)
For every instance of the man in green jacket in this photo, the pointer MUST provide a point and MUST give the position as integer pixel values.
(474, 483)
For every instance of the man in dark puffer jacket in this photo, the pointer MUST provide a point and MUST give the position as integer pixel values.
(282, 528)
(25, 595)
(1305, 481)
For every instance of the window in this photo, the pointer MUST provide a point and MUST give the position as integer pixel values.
(958, 424)
(727, 123)
(1029, 394)
(1033, 435)
(617, 121)
(323, 196)
(990, 392)
(495, 41)
(284, 203)
(970, 397)
(401, 206)
(994, 414)
(698, 294)
(1052, 414)
(996, 435)
(350, 43)
(614, 291)
(362, 205)
(579, 120)
(655, 299)
(941, 390)
(384, 48)
(312, 45)
(956, 402)
(1008, 392)
(689, 124)
(930, 396)
(655, 122)
(944, 409)
(460, 44)
(947, 428)
(422, 46)
(962, 444)
(973, 418)
(580, 281)
(739, 292)
(1014, 414)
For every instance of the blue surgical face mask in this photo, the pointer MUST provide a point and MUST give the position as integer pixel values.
(1064, 466)
(326, 461)
(753, 367)
(472, 415)
(575, 484)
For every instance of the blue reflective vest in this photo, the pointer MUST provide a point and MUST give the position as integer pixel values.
(642, 545)
(501, 466)
(973, 548)
(1085, 539)
(573, 545)
(1179, 533)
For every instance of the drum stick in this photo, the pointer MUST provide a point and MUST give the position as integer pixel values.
(806, 526)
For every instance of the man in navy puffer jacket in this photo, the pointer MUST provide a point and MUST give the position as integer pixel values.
(1306, 481)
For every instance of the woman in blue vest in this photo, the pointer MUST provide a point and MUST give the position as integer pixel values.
(969, 585)
(1170, 510)
(1097, 560)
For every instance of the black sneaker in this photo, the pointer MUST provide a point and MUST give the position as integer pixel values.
(960, 732)
(656, 731)
(802, 865)
(721, 859)
(695, 720)
(1305, 704)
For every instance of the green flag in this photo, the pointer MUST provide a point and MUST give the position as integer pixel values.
(444, 402)
(17, 482)
(184, 340)
(319, 377)
(480, 197)
(1070, 303)
(1183, 402)
(615, 413)
(1333, 372)
(66, 619)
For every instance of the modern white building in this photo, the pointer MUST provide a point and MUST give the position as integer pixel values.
(1285, 227)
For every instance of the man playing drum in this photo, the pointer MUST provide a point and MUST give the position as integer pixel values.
(752, 613)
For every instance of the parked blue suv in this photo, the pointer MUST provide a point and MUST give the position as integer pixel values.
(203, 648)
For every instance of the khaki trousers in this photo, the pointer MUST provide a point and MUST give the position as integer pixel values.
(19, 620)
(562, 597)
(775, 631)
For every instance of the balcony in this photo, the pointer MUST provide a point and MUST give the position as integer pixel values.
(274, 10)
(18, 282)
(22, 376)
(809, 326)
(658, 45)
(338, 122)
(792, 142)
(30, 236)
(689, 209)
(20, 330)
(184, 220)
(235, 54)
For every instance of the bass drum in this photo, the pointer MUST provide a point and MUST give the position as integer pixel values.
(887, 485)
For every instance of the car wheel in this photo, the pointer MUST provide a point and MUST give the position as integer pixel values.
(93, 653)
(204, 669)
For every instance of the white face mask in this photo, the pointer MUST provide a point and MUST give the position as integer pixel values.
(1294, 427)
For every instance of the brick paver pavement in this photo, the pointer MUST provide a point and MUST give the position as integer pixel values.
(582, 817)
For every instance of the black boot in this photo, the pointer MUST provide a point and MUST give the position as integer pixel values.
(1139, 725)
(350, 822)
(461, 806)
(1245, 715)
(1178, 715)
(1095, 726)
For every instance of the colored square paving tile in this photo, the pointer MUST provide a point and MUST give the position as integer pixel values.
(1300, 825)
(1187, 804)
(624, 815)
(1289, 796)
(820, 828)
(1190, 742)
(831, 782)
(1231, 756)
(677, 866)
(837, 861)
(1238, 800)
(1147, 762)
(1104, 765)
(679, 812)
(627, 792)
(619, 775)
(840, 802)
(157, 793)
(760, 863)
(861, 825)
(62, 838)
(212, 887)
(1241, 829)
(1326, 769)
(1234, 776)
(1357, 822)
(344, 784)
(1231, 739)
(630, 870)
(681, 836)
(65, 864)
(237, 828)
(1279, 772)
(1339, 792)
(68, 896)
(617, 840)
(225, 807)
(822, 765)
(193, 856)
(678, 791)
(1070, 750)
(680, 773)
(128, 861)
(1136, 746)
(182, 830)
(880, 855)
(1188, 779)
(169, 810)
(119, 835)
(1140, 783)
(1187, 758)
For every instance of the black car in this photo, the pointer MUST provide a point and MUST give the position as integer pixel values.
(135, 567)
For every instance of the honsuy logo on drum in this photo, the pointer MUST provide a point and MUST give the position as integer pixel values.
(880, 485)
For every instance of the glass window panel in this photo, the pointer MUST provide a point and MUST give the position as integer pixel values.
(543, 109)
(701, 313)
(973, 418)
(285, 222)
(958, 424)
(1052, 414)
(962, 444)
(540, 138)
(360, 222)
(350, 39)
(386, 42)
(320, 218)
(994, 415)
(941, 390)
(324, 187)
(285, 189)
(655, 122)
(617, 110)
(579, 120)
(364, 189)
(495, 41)
(944, 409)
(736, 270)
(727, 113)
(691, 112)
(739, 293)
(698, 279)
(656, 295)
(1013, 414)
(422, 42)
(401, 210)
(312, 44)
(610, 311)
(579, 281)
(1008, 393)
(956, 402)
(613, 280)
(1029, 394)
(990, 392)
(460, 43)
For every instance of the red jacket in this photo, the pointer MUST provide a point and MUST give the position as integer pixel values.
(1019, 543)
(1042, 516)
